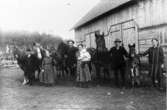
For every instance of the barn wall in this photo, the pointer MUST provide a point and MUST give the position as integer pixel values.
(145, 13)
(149, 15)
(146, 36)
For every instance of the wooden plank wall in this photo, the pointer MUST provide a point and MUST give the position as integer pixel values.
(146, 36)
(146, 13)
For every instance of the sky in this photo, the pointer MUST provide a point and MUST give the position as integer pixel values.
(50, 16)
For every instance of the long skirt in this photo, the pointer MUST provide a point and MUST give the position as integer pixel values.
(156, 74)
(83, 72)
(47, 76)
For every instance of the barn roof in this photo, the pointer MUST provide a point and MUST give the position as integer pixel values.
(101, 8)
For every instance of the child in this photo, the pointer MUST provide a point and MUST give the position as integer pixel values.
(47, 73)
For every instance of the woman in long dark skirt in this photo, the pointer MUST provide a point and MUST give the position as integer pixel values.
(156, 62)
(83, 73)
(47, 74)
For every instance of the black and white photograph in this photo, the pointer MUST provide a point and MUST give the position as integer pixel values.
(83, 54)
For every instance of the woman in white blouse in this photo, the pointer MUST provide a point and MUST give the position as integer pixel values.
(83, 73)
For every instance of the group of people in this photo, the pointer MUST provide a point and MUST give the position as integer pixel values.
(118, 56)
(155, 58)
(78, 60)
(47, 71)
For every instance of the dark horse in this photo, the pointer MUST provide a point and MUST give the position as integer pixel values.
(65, 60)
(29, 62)
(59, 59)
(101, 56)
(133, 63)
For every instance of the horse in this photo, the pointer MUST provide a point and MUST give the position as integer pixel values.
(59, 59)
(101, 57)
(65, 58)
(71, 61)
(22, 60)
(29, 62)
(134, 62)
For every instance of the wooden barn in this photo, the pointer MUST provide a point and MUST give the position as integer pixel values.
(133, 21)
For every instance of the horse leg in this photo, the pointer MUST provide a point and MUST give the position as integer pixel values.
(61, 72)
(137, 77)
(106, 73)
(90, 66)
(98, 70)
(38, 75)
(70, 72)
(73, 72)
(58, 71)
(133, 77)
(122, 71)
(25, 80)
(65, 72)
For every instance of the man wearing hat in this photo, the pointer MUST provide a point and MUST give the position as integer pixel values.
(70, 43)
(118, 54)
(156, 62)
(71, 59)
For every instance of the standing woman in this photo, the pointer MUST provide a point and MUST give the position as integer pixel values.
(83, 73)
(156, 62)
(47, 73)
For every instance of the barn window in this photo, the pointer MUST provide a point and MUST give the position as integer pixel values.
(142, 42)
(90, 40)
(148, 41)
(87, 40)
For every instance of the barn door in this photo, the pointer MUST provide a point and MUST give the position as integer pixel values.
(114, 33)
(126, 31)
(129, 34)
(93, 40)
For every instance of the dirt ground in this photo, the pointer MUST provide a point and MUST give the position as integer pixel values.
(15, 96)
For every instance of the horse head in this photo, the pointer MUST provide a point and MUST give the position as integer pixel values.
(132, 50)
(134, 58)
(18, 53)
(62, 49)
(100, 41)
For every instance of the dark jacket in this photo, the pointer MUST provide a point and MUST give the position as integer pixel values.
(71, 56)
(158, 54)
(118, 57)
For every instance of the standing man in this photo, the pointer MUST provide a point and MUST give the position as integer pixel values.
(71, 59)
(156, 62)
(118, 54)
